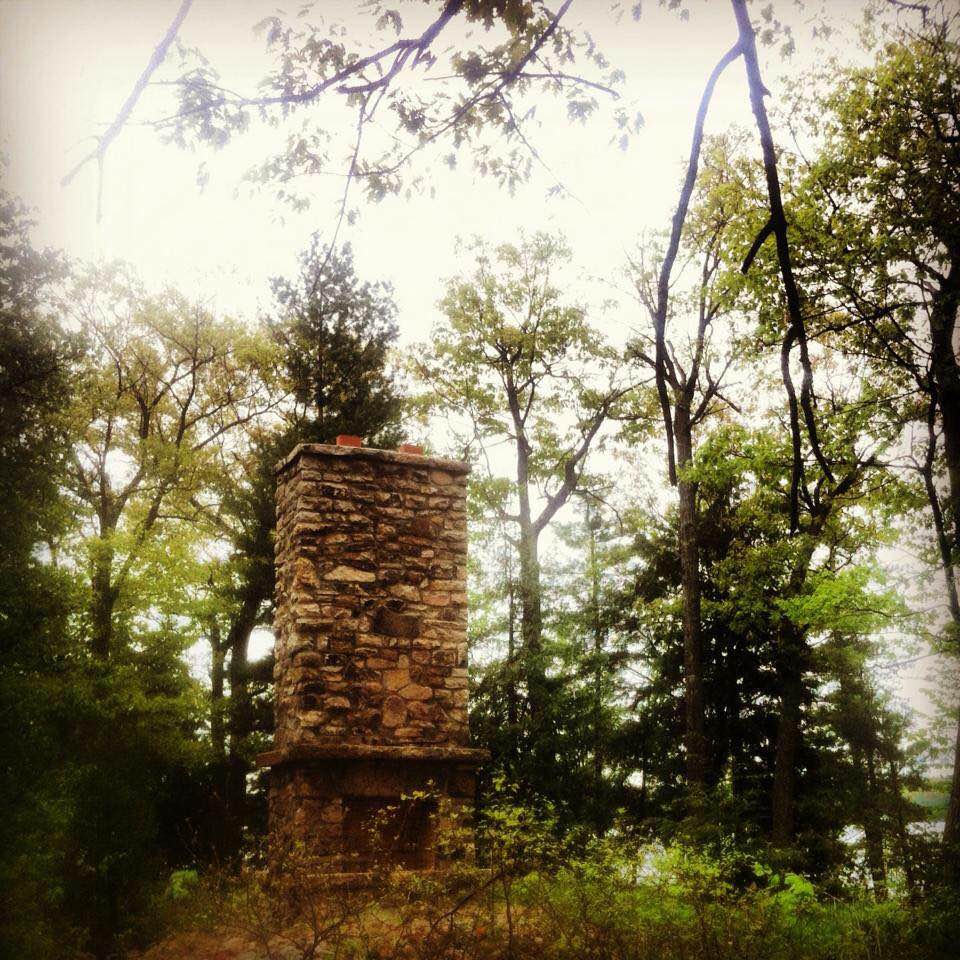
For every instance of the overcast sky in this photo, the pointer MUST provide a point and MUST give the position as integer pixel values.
(67, 65)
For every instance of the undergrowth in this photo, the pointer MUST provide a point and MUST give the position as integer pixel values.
(526, 893)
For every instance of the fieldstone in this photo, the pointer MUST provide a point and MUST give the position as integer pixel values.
(396, 624)
(414, 691)
(423, 527)
(395, 679)
(380, 663)
(350, 575)
(435, 599)
(394, 712)
(404, 591)
(419, 710)
(371, 635)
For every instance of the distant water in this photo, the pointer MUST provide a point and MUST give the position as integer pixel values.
(930, 828)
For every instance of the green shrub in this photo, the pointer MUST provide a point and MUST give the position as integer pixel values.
(537, 894)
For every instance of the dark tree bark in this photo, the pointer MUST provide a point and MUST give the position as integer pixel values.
(103, 601)
(513, 711)
(791, 664)
(783, 797)
(240, 712)
(531, 607)
(678, 422)
(873, 827)
(598, 638)
(221, 834)
(697, 750)
(777, 225)
(945, 373)
(951, 827)
(218, 741)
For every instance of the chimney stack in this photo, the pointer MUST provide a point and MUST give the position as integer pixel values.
(371, 650)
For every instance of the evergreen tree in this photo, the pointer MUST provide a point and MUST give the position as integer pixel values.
(336, 332)
(333, 333)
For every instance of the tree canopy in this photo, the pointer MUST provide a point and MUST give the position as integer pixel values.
(714, 509)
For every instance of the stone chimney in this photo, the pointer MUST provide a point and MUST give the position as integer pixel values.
(371, 651)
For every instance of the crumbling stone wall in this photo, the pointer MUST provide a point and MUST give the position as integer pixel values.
(371, 649)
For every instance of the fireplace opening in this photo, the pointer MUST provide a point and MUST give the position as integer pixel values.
(400, 832)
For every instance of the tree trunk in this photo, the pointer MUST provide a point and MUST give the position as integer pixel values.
(734, 752)
(240, 716)
(791, 667)
(873, 831)
(217, 675)
(951, 825)
(946, 377)
(790, 678)
(103, 600)
(796, 333)
(531, 621)
(221, 834)
(903, 839)
(512, 708)
(531, 613)
(597, 671)
(695, 739)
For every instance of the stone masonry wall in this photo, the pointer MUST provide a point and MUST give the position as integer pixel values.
(371, 599)
(371, 647)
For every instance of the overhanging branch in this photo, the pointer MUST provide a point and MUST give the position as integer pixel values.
(113, 131)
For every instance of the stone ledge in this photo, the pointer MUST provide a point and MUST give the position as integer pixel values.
(370, 751)
(372, 453)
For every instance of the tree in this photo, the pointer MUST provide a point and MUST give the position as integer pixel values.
(164, 382)
(524, 367)
(879, 767)
(579, 592)
(853, 418)
(688, 393)
(237, 508)
(752, 598)
(893, 159)
(37, 358)
(482, 90)
(336, 332)
(875, 243)
(585, 779)
(101, 750)
(162, 387)
(334, 374)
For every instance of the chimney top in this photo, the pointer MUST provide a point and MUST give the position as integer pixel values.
(348, 440)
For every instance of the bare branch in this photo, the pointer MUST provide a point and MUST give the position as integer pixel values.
(778, 219)
(113, 131)
(666, 268)
(756, 245)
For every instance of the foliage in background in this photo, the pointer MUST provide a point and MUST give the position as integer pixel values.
(138, 436)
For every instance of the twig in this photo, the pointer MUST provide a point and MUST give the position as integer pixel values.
(113, 131)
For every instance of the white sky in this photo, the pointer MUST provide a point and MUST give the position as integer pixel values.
(67, 65)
